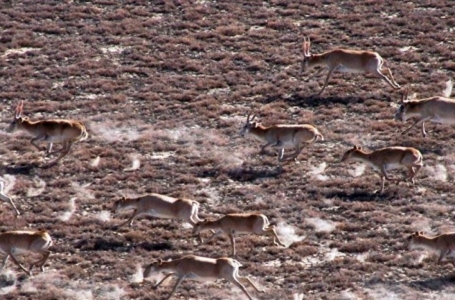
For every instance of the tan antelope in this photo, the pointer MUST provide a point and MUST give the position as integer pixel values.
(388, 158)
(434, 109)
(346, 60)
(444, 244)
(282, 136)
(159, 206)
(200, 268)
(63, 131)
(232, 224)
(5, 198)
(25, 241)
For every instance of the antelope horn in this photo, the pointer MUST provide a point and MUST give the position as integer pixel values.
(306, 46)
(19, 109)
(405, 94)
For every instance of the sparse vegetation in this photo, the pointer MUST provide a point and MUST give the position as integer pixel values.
(164, 89)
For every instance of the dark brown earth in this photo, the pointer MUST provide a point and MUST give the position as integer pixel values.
(168, 84)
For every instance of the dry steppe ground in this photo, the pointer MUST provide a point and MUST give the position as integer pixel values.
(164, 88)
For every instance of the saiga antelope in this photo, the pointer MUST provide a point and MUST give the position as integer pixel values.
(434, 109)
(6, 198)
(386, 159)
(231, 224)
(282, 136)
(202, 268)
(159, 206)
(63, 131)
(444, 244)
(346, 60)
(25, 241)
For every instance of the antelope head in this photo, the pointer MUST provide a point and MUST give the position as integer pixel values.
(248, 125)
(348, 154)
(18, 119)
(149, 269)
(306, 53)
(400, 114)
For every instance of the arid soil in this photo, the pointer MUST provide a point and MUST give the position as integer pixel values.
(164, 88)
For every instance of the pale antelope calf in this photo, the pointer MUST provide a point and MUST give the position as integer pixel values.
(200, 268)
(159, 206)
(444, 244)
(282, 136)
(346, 60)
(63, 131)
(388, 159)
(434, 109)
(25, 241)
(5, 198)
(232, 224)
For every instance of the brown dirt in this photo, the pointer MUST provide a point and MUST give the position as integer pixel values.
(169, 84)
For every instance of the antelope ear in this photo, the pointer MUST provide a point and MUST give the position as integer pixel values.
(160, 261)
(421, 233)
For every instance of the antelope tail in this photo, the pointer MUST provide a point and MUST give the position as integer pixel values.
(84, 135)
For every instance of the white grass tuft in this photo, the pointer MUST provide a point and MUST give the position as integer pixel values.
(438, 172)
(107, 131)
(362, 257)
(161, 155)
(448, 90)
(78, 294)
(71, 289)
(348, 295)
(71, 210)
(10, 181)
(333, 253)
(95, 162)
(138, 276)
(318, 170)
(321, 225)
(111, 292)
(104, 216)
(358, 171)
(136, 164)
(287, 234)
(40, 186)
(297, 296)
(407, 48)
(259, 201)
(213, 193)
(8, 276)
(82, 191)
(157, 277)
(381, 291)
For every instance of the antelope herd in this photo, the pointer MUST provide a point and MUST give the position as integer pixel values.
(277, 136)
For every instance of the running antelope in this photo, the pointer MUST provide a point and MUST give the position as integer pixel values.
(444, 244)
(434, 109)
(25, 241)
(5, 198)
(201, 268)
(159, 206)
(346, 60)
(231, 224)
(282, 136)
(63, 131)
(388, 159)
